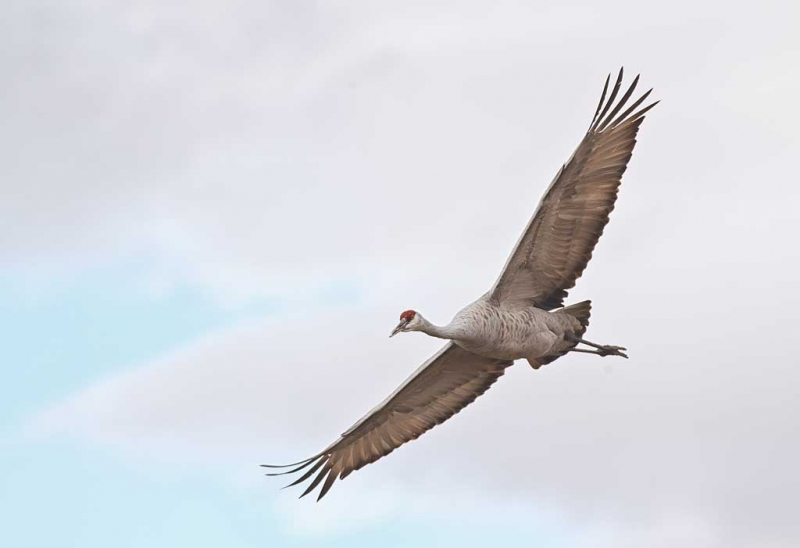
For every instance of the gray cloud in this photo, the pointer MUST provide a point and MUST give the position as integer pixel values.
(268, 149)
(245, 142)
(682, 431)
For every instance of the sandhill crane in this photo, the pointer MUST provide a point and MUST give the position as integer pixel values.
(521, 317)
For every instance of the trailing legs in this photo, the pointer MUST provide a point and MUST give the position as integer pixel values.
(602, 349)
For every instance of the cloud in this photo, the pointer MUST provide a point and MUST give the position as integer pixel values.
(682, 429)
(247, 147)
(277, 149)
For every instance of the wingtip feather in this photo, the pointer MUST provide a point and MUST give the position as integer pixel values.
(290, 464)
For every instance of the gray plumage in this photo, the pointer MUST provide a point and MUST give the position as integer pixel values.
(517, 318)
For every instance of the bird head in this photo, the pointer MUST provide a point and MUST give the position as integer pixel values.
(410, 320)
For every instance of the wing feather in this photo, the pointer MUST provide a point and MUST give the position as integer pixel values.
(558, 242)
(446, 383)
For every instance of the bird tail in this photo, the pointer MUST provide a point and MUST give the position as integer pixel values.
(581, 312)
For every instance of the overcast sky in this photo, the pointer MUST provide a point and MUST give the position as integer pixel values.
(213, 213)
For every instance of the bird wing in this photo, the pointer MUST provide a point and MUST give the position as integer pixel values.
(449, 381)
(558, 242)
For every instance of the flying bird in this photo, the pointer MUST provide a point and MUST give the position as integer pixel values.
(522, 317)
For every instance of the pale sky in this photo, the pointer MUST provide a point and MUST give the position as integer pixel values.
(215, 211)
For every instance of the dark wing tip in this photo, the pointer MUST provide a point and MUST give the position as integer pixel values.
(322, 473)
(328, 484)
(291, 464)
(606, 117)
(321, 460)
(645, 110)
(299, 465)
(610, 101)
(307, 474)
(602, 98)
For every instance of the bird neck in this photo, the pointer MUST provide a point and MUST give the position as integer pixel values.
(440, 332)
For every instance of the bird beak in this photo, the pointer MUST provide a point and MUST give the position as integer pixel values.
(399, 328)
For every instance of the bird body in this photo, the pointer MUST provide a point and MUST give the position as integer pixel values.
(507, 333)
(522, 317)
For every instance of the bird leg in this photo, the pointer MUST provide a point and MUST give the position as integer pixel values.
(602, 349)
(606, 351)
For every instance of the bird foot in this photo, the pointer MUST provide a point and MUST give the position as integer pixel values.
(608, 350)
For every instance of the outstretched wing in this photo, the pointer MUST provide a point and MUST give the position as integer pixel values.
(449, 381)
(558, 241)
